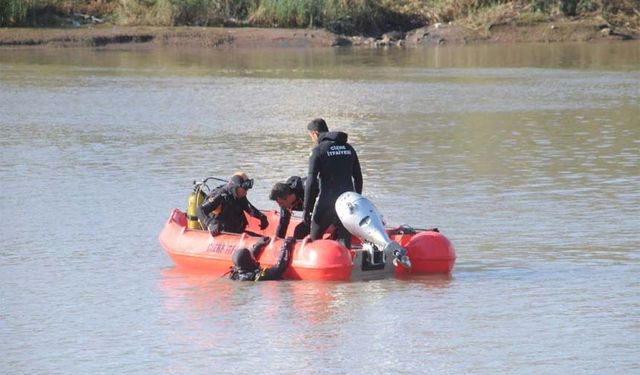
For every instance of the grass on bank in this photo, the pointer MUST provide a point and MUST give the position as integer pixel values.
(340, 16)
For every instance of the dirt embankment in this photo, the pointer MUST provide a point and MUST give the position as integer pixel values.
(104, 36)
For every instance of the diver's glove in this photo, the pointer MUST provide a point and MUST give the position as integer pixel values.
(215, 228)
(262, 241)
(264, 222)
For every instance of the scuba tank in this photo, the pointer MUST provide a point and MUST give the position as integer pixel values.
(196, 198)
(194, 201)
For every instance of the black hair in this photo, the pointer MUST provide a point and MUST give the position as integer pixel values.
(280, 190)
(318, 125)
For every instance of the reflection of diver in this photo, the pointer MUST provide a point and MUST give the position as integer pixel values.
(246, 267)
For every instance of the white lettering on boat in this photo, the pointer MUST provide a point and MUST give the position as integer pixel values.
(221, 248)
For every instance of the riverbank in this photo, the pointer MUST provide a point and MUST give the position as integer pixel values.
(502, 31)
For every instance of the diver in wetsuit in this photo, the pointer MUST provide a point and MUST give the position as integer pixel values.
(334, 168)
(246, 267)
(224, 207)
(290, 197)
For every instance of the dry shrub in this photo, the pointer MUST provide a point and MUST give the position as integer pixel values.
(623, 13)
(369, 17)
(340, 16)
(145, 12)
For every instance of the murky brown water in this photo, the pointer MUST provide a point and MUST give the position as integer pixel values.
(526, 157)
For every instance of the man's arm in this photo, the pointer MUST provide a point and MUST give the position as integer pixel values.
(275, 272)
(257, 247)
(357, 173)
(311, 186)
(248, 207)
(283, 224)
(209, 206)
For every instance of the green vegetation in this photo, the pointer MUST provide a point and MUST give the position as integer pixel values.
(13, 11)
(340, 16)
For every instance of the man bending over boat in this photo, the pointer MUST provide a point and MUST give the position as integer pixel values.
(224, 207)
(246, 267)
(290, 197)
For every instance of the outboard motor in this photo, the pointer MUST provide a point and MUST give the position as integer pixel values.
(361, 218)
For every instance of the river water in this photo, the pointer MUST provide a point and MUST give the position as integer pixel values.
(526, 157)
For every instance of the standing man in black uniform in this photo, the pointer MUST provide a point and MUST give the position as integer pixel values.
(290, 197)
(334, 168)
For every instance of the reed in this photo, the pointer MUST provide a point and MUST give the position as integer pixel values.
(13, 12)
(48, 12)
(341, 16)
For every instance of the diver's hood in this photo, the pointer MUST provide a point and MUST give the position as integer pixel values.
(338, 137)
(243, 260)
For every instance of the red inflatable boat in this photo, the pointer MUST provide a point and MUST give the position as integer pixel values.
(429, 251)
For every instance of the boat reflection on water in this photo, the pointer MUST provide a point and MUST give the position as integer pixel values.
(216, 316)
(194, 291)
(314, 302)
(191, 295)
(428, 281)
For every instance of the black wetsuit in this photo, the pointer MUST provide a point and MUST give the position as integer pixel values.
(230, 217)
(246, 268)
(297, 185)
(334, 168)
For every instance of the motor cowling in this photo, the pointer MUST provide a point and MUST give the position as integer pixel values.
(362, 219)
